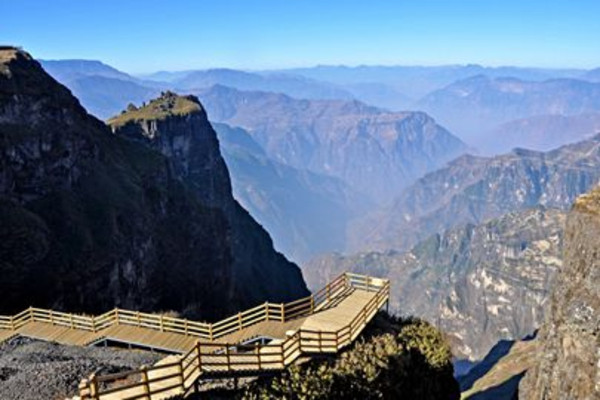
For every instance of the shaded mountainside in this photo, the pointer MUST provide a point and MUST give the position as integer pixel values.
(478, 283)
(305, 213)
(474, 105)
(472, 189)
(93, 220)
(498, 375)
(567, 366)
(373, 151)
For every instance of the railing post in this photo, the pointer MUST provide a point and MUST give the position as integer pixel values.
(328, 291)
(239, 321)
(320, 335)
(199, 356)
(228, 357)
(312, 303)
(116, 311)
(210, 332)
(267, 310)
(145, 383)
(258, 356)
(51, 317)
(185, 324)
(71, 321)
(94, 387)
(180, 368)
(12, 323)
(31, 315)
(162, 323)
(138, 318)
(282, 312)
(84, 389)
(368, 283)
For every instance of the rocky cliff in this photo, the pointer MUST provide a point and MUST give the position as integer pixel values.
(568, 363)
(478, 283)
(93, 220)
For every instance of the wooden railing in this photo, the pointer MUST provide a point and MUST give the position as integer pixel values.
(202, 330)
(227, 359)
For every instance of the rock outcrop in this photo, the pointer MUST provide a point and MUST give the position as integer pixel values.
(568, 364)
(478, 283)
(91, 220)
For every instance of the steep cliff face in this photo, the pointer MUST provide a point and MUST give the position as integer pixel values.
(568, 365)
(478, 283)
(178, 128)
(91, 220)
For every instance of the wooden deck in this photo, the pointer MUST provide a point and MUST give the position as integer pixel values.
(324, 322)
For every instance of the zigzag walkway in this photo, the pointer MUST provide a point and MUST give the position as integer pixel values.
(324, 322)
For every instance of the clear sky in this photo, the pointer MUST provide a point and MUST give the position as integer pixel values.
(145, 36)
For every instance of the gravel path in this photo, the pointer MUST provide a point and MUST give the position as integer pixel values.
(32, 369)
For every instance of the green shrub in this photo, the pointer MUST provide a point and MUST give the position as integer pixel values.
(395, 359)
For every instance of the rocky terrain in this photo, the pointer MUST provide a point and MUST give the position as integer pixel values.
(31, 369)
(567, 365)
(478, 283)
(473, 189)
(92, 220)
(373, 151)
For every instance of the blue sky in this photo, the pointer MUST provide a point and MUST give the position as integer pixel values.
(144, 36)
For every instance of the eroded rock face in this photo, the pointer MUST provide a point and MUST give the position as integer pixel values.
(478, 283)
(569, 358)
(90, 220)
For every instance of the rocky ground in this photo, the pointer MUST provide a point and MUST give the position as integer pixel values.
(31, 369)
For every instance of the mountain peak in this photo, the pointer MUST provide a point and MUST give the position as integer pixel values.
(167, 105)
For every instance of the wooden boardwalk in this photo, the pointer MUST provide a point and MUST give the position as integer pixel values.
(324, 322)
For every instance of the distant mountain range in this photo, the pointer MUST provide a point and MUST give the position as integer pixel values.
(375, 152)
(473, 189)
(417, 81)
(102, 89)
(541, 132)
(475, 119)
(471, 107)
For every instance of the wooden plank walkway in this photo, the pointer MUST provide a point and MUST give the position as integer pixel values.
(324, 322)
